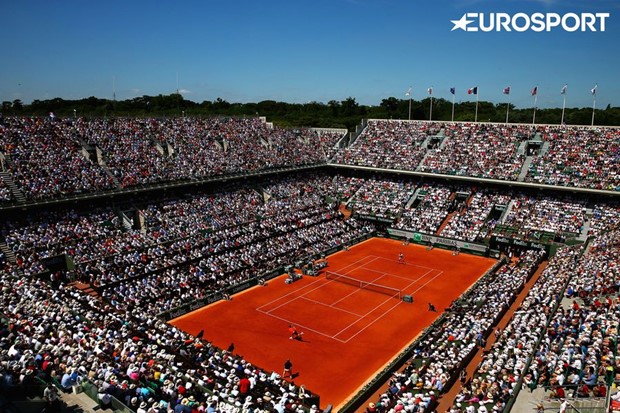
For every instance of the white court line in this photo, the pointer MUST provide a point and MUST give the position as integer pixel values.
(373, 309)
(302, 326)
(397, 276)
(303, 290)
(318, 280)
(332, 306)
(426, 283)
(389, 310)
(413, 281)
(354, 263)
(303, 296)
(362, 266)
(374, 321)
(345, 297)
(411, 265)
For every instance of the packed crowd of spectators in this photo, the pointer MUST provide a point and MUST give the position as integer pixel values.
(193, 227)
(468, 221)
(391, 144)
(287, 225)
(45, 162)
(430, 212)
(201, 147)
(504, 365)
(546, 214)
(480, 150)
(129, 149)
(85, 236)
(576, 354)
(599, 275)
(328, 141)
(69, 336)
(604, 218)
(382, 198)
(233, 235)
(49, 158)
(571, 156)
(578, 156)
(345, 187)
(177, 286)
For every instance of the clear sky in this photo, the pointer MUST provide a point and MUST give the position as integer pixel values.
(301, 51)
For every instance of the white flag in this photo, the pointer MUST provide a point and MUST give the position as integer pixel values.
(408, 93)
(563, 91)
(594, 89)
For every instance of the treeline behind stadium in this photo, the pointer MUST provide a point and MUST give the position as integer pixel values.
(336, 114)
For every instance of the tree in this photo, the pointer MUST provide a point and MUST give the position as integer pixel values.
(17, 105)
(391, 106)
(335, 107)
(349, 106)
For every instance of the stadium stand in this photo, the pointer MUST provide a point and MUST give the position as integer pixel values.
(149, 252)
(50, 158)
(478, 150)
(578, 156)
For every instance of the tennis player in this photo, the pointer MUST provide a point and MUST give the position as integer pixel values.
(294, 334)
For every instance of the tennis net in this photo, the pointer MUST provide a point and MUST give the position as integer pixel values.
(365, 285)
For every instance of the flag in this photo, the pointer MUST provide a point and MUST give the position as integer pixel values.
(507, 90)
(472, 90)
(430, 90)
(594, 89)
(535, 91)
(408, 93)
(452, 90)
(563, 91)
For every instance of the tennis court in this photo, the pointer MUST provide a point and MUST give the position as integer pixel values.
(350, 332)
(347, 301)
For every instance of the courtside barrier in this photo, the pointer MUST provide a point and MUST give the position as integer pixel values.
(441, 242)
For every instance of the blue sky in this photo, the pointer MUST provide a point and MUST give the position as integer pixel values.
(301, 51)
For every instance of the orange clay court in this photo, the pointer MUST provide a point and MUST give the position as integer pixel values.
(350, 333)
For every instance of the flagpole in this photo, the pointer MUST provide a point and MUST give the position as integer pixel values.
(452, 108)
(409, 107)
(563, 107)
(409, 93)
(430, 116)
(507, 108)
(476, 115)
(535, 100)
(593, 107)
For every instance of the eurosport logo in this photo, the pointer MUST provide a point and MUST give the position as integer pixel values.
(536, 22)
